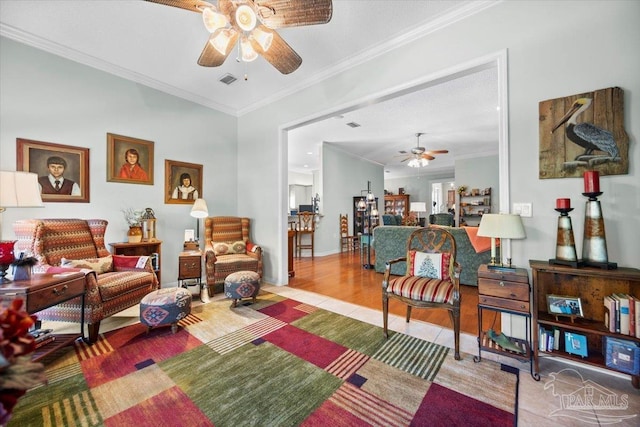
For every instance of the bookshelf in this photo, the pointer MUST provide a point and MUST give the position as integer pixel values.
(591, 285)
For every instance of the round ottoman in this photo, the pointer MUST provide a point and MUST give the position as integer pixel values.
(242, 284)
(165, 306)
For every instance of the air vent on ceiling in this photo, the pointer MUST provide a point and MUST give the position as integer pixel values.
(353, 125)
(228, 79)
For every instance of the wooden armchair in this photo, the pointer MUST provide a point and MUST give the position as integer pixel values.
(432, 278)
(228, 248)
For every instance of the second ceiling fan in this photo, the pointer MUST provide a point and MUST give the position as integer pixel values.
(253, 22)
(419, 155)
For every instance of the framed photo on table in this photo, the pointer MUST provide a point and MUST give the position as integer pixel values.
(183, 182)
(63, 170)
(129, 160)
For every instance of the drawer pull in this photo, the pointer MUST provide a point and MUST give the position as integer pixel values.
(501, 283)
(60, 292)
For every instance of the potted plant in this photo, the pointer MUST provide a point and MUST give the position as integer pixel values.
(17, 372)
(134, 220)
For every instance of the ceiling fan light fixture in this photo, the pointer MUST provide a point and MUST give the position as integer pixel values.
(221, 40)
(248, 53)
(212, 19)
(264, 38)
(418, 162)
(246, 17)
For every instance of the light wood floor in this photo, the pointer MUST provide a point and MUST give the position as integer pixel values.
(342, 276)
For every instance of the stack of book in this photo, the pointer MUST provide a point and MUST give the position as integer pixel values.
(622, 314)
(42, 336)
(548, 340)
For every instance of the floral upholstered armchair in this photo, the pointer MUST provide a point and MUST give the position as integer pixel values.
(228, 248)
(113, 282)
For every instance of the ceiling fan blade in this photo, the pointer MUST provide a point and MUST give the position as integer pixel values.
(437, 151)
(294, 13)
(280, 54)
(428, 157)
(191, 5)
(210, 57)
(405, 159)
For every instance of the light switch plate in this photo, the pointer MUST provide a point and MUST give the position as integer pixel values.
(523, 209)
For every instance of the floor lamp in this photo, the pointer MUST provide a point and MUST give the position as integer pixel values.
(199, 210)
(17, 190)
(369, 206)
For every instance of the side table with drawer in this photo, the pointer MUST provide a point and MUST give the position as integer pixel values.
(190, 272)
(47, 290)
(505, 291)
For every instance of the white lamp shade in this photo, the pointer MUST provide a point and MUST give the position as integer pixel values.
(506, 226)
(199, 209)
(418, 207)
(19, 190)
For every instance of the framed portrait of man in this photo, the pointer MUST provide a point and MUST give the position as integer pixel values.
(63, 170)
(183, 182)
(129, 160)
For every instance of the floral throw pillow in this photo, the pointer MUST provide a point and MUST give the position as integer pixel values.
(431, 265)
(228, 248)
(99, 265)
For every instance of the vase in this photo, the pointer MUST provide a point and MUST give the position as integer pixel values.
(6, 258)
(135, 234)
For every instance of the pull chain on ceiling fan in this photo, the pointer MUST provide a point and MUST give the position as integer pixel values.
(254, 22)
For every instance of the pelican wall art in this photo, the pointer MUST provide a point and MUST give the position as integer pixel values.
(583, 132)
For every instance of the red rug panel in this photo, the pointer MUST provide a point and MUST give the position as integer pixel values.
(284, 311)
(312, 348)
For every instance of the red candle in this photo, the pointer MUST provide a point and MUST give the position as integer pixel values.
(563, 204)
(591, 182)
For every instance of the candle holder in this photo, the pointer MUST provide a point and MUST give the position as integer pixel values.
(565, 245)
(594, 243)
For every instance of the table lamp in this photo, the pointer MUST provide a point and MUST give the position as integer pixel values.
(418, 207)
(503, 226)
(17, 190)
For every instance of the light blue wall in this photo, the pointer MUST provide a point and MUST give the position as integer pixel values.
(46, 98)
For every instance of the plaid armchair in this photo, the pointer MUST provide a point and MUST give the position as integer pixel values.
(228, 249)
(113, 282)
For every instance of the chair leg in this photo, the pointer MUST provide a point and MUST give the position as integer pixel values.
(408, 313)
(93, 329)
(455, 319)
(385, 314)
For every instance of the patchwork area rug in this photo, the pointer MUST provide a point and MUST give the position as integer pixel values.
(277, 362)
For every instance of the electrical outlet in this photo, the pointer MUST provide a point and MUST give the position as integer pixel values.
(523, 209)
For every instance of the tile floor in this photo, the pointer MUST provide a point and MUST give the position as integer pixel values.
(567, 394)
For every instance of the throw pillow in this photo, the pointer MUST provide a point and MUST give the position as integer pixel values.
(431, 265)
(228, 248)
(99, 265)
(129, 261)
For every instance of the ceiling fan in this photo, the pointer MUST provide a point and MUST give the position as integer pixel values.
(419, 155)
(253, 22)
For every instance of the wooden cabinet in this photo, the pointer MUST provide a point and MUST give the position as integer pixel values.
(505, 292)
(396, 205)
(591, 285)
(151, 249)
(472, 205)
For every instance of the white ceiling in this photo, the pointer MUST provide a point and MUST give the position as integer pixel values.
(159, 46)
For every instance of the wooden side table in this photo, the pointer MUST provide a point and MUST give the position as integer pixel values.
(46, 290)
(190, 272)
(505, 292)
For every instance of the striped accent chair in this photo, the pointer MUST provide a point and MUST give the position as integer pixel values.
(432, 278)
(228, 249)
(113, 282)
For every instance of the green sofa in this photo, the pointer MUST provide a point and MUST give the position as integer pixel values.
(390, 242)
